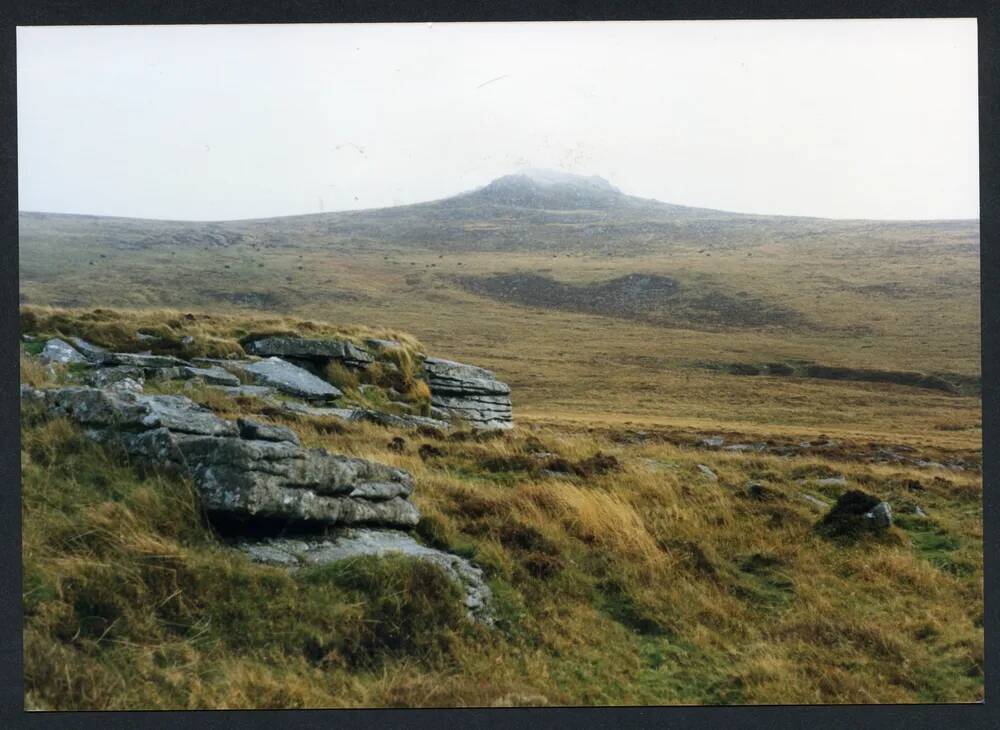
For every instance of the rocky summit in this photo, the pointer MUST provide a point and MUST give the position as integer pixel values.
(469, 393)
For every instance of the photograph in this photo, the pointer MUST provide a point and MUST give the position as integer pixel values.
(500, 364)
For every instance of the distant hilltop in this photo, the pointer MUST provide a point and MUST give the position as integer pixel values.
(552, 189)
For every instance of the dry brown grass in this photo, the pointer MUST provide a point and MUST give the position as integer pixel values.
(646, 583)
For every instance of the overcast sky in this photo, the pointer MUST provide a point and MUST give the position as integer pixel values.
(866, 119)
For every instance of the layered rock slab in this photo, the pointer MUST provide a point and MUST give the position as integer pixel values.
(243, 468)
(469, 393)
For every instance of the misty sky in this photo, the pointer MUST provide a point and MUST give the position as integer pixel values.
(866, 119)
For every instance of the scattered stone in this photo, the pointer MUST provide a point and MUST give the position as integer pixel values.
(187, 340)
(143, 337)
(741, 448)
(708, 472)
(398, 444)
(838, 481)
(61, 352)
(469, 393)
(27, 338)
(352, 543)
(713, 442)
(307, 349)
(919, 512)
(815, 501)
(289, 379)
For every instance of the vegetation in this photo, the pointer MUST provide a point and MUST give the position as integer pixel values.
(622, 575)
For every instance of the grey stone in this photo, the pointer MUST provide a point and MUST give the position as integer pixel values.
(290, 379)
(919, 512)
(352, 543)
(713, 441)
(143, 337)
(708, 472)
(243, 468)
(254, 431)
(469, 393)
(881, 514)
(310, 349)
(91, 352)
(59, 351)
(181, 414)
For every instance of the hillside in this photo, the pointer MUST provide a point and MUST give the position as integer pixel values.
(647, 291)
(625, 565)
(693, 392)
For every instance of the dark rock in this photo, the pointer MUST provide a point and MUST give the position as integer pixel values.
(428, 451)
(398, 444)
(856, 513)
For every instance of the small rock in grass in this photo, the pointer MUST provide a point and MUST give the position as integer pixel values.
(708, 472)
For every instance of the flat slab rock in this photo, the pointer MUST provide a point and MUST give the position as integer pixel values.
(296, 553)
(60, 351)
(310, 349)
(288, 378)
